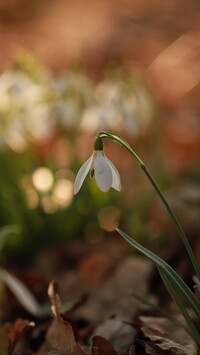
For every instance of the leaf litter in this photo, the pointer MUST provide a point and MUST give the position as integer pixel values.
(101, 316)
(166, 336)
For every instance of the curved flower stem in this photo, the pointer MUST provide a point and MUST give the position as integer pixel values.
(117, 138)
(170, 211)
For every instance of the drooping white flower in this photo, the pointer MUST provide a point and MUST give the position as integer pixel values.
(102, 169)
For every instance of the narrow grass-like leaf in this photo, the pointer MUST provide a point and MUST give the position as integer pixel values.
(193, 331)
(196, 283)
(21, 292)
(160, 310)
(169, 271)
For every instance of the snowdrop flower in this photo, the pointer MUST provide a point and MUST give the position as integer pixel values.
(101, 168)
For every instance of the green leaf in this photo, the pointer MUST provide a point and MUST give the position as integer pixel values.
(173, 276)
(160, 310)
(193, 331)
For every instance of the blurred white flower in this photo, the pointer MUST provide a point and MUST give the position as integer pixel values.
(102, 169)
(39, 124)
(34, 94)
(15, 82)
(118, 105)
(68, 113)
(14, 136)
(101, 117)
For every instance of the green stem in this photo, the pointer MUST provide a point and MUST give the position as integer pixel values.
(117, 138)
(171, 213)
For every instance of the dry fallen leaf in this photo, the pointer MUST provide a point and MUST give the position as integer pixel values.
(95, 267)
(101, 346)
(151, 348)
(60, 337)
(132, 350)
(167, 336)
(103, 303)
(120, 334)
(14, 332)
(53, 352)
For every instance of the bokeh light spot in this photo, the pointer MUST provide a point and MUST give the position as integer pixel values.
(48, 204)
(63, 192)
(32, 197)
(42, 179)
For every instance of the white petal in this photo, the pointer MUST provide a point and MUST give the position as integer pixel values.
(116, 182)
(102, 172)
(80, 177)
